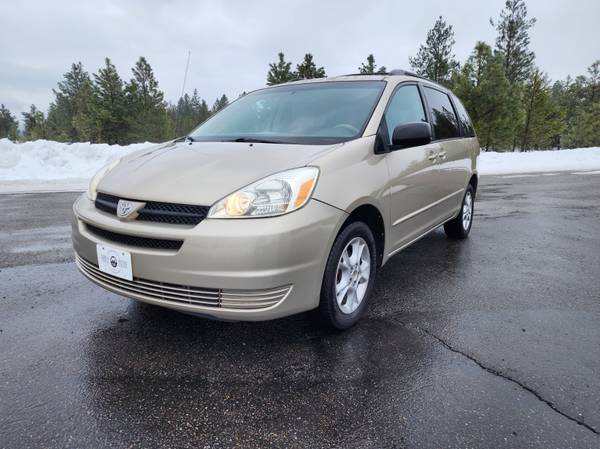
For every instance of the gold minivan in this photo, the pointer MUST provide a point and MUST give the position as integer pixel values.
(287, 200)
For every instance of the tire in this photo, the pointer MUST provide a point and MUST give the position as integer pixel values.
(460, 226)
(344, 272)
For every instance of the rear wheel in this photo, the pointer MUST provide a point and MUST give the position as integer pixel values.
(459, 227)
(348, 278)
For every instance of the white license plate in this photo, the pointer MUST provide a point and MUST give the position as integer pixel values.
(115, 262)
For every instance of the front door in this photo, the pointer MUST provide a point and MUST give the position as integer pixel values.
(413, 172)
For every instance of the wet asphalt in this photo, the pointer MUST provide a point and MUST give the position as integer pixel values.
(491, 342)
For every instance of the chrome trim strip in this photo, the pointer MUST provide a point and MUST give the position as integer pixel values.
(198, 297)
(397, 250)
(426, 208)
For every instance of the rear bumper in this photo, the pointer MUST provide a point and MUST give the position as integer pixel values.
(249, 269)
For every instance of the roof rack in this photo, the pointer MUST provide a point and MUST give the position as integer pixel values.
(405, 73)
(365, 74)
(390, 73)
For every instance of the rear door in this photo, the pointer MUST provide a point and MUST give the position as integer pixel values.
(453, 156)
(412, 170)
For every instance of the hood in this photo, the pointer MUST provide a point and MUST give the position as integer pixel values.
(202, 172)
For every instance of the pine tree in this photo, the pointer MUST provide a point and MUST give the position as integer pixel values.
(565, 96)
(370, 67)
(219, 104)
(71, 100)
(584, 130)
(280, 71)
(308, 69)
(35, 124)
(190, 112)
(580, 101)
(434, 59)
(488, 97)
(183, 115)
(147, 113)
(144, 87)
(195, 101)
(110, 115)
(8, 124)
(84, 120)
(593, 82)
(202, 113)
(583, 91)
(543, 122)
(513, 40)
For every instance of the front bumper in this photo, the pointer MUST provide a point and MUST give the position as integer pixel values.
(244, 269)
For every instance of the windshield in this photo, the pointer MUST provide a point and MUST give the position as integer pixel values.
(313, 113)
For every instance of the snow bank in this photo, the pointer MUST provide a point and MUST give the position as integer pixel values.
(45, 165)
(580, 159)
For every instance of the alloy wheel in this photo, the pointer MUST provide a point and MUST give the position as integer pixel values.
(352, 275)
(467, 211)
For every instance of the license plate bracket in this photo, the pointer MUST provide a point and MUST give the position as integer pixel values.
(114, 261)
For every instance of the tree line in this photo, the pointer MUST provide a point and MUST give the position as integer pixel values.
(512, 102)
(103, 108)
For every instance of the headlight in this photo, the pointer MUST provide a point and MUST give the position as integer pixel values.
(274, 195)
(92, 193)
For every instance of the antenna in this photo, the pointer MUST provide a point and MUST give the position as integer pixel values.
(187, 66)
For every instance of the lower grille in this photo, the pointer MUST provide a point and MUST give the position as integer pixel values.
(134, 240)
(183, 294)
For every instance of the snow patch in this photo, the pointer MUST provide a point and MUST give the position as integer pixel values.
(596, 172)
(44, 165)
(579, 159)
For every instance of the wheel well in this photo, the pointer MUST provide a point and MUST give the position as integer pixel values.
(371, 216)
(473, 181)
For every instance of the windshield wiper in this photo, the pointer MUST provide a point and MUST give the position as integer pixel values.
(252, 140)
(185, 139)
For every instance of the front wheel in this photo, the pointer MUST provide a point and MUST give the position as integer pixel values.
(460, 226)
(349, 277)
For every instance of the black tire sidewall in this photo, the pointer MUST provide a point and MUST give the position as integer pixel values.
(330, 311)
(454, 228)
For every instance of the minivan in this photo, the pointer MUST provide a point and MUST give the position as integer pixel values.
(287, 200)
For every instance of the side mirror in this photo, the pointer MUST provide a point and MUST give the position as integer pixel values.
(411, 135)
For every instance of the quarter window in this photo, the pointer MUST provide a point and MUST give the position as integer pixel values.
(405, 107)
(463, 118)
(445, 124)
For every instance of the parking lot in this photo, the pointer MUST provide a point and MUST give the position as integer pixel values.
(492, 342)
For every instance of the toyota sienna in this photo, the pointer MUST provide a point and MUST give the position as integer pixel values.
(287, 200)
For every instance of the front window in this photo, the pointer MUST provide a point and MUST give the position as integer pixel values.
(312, 113)
(405, 107)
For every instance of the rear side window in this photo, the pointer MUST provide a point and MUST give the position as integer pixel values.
(463, 118)
(405, 107)
(445, 124)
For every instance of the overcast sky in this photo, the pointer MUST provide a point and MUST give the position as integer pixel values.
(232, 42)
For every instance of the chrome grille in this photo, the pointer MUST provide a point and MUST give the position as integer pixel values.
(183, 294)
(159, 212)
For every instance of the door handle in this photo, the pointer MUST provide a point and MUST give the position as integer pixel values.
(442, 154)
(432, 156)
